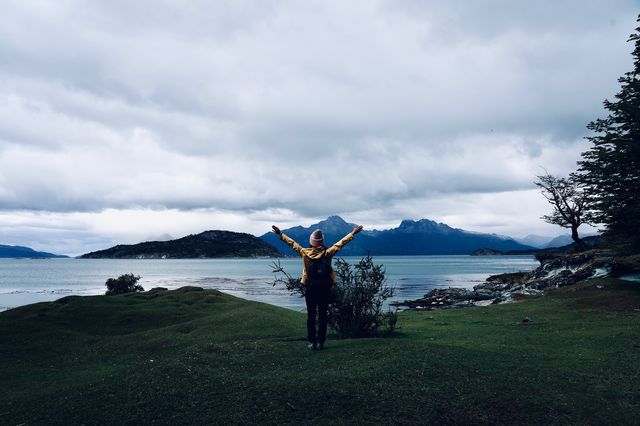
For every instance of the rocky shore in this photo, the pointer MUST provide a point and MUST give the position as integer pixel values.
(553, 272)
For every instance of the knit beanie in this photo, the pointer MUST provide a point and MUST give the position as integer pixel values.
(316, 239)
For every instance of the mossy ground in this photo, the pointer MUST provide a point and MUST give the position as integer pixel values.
(201, 357)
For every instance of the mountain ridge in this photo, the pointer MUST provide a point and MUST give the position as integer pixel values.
(411, 237)
(21, 252)
(544, 242)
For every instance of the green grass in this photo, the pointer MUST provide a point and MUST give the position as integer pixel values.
(201, 357)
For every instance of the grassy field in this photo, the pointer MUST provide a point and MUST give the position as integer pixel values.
(201, 357)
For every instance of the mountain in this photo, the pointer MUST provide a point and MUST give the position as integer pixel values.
(161, 237)
(208, 244)
(538, 241)
(559, 241)
(420, 237)
(542, 242)
(20, 252)
(334, 228)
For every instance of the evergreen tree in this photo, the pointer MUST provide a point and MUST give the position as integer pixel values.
(610, 170)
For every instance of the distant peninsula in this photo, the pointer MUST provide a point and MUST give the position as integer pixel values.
(486, 252)
(207, 244)
(19, 252)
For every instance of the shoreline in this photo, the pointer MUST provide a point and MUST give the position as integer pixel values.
(250, 279)
(554, 272)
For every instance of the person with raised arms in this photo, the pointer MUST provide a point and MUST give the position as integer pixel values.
(317, 277)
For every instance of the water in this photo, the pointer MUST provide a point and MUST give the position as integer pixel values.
(24, 281)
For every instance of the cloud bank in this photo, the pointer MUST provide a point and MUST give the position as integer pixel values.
(207, 115)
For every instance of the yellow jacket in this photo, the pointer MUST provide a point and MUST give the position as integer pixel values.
(316, 252)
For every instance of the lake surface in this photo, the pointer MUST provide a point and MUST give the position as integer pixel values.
(24, 281)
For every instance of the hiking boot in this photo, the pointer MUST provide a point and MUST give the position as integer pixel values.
(312, 346)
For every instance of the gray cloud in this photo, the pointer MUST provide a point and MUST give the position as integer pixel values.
(370, 109)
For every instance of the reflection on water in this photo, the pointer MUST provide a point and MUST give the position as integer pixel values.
(24, 281)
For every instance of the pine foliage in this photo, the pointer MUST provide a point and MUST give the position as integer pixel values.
(610, 169)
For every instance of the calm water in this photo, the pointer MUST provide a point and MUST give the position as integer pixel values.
(24, 281)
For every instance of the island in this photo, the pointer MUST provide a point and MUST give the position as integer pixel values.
(486, 252)
(207, 244)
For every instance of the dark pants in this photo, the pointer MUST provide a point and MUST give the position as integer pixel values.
(317, 298)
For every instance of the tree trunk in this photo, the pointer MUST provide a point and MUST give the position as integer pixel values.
(579, 244)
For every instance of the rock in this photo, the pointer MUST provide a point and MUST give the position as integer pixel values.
(441, 298)
(554, 272)
(625, 266)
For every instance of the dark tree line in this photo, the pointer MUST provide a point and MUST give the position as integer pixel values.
(606, 187)
(610, 170)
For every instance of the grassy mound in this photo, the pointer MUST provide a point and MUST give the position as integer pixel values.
(200, 357)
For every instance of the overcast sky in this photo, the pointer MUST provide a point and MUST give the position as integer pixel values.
(121, 121)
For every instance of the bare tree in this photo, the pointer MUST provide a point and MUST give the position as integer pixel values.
(568, 201)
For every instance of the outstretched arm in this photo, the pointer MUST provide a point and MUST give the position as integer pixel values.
(290, 242)
(337, 246)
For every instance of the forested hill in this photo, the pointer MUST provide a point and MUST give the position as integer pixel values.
(24, 252)
(208, 244)
(420, 237)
